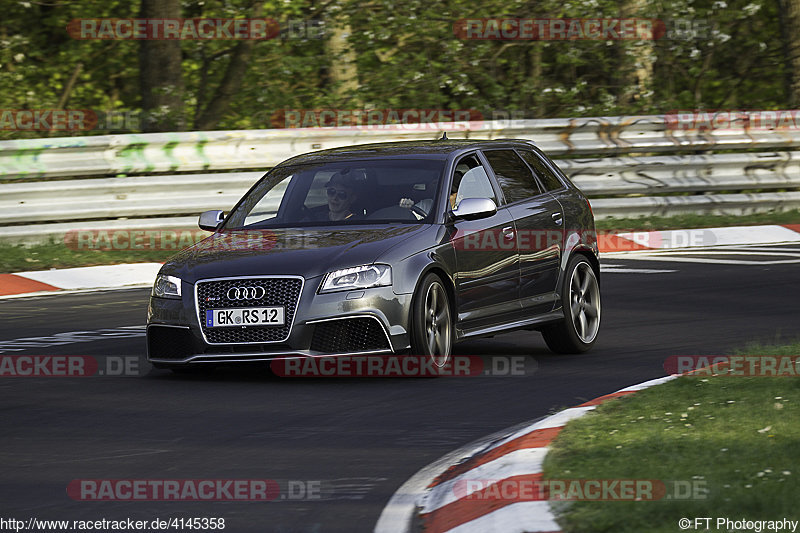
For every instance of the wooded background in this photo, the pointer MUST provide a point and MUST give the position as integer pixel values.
(382, 54)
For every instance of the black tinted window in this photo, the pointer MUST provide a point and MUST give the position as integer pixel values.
(341, 192)
(546, 176)
(513, 175)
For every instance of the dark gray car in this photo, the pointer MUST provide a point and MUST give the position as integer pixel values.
(385, 248)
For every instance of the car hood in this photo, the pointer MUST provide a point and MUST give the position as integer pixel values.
(307, 252)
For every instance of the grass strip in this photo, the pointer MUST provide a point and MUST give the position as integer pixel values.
(734, 440)
(690, 221)
(19, 258)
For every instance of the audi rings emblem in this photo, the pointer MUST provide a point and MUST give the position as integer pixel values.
(246, 293)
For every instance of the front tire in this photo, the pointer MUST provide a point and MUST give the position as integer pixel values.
(431, 321)
(580, 299)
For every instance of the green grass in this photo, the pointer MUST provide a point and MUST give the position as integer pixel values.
(18, 258)
(737, 437)
(698, 221)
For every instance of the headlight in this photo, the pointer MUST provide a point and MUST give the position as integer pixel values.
(167, 287)
(360, 277)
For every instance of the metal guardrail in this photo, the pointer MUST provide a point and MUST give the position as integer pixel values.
(653, 175)
(138, 196)
(111, 155)
(185, 194)
(711, 204)
(624, 176)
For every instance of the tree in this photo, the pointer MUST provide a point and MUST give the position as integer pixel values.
(790, 21)
(160, 72)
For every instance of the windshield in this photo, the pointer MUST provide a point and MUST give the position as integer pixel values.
(351, 192)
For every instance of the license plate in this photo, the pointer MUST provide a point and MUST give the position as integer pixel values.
(251, 316)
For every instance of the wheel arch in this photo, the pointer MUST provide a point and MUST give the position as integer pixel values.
(585, 252)
(449, 285)
(417, 300)
(592, 258)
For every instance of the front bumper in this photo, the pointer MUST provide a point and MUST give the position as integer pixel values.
(350, 322)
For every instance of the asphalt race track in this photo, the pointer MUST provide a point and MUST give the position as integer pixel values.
(351, 442)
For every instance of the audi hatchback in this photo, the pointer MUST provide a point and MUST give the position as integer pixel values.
(384, 248)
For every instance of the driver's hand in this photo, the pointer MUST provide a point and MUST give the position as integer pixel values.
(408, 203)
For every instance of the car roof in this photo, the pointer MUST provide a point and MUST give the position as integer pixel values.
(441, 149)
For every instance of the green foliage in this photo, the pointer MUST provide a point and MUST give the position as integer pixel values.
(408, 56)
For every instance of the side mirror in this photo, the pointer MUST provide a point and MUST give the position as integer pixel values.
(471, 208)
(210, 220)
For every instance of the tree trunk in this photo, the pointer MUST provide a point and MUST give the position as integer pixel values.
(635, 62)
(791, 18)
(343, 73)
(160, 76)
(535, 65)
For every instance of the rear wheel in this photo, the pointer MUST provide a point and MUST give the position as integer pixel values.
(580, 298)
(431, 321)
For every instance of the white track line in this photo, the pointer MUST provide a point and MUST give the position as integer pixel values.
(557, 420)
(97, 277)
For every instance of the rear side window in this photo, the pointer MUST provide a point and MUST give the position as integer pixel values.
(546, 176)
(513, 175)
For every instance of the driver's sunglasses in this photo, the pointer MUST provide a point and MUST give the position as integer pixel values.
(341, 195)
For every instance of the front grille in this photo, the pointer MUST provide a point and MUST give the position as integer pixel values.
(164, 342)
(359, 334)
(278, 292)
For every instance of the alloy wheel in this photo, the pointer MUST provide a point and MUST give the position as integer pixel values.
(585, 302)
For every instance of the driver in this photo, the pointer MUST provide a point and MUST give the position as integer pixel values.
(341, 192)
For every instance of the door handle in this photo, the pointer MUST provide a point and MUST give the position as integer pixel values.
(557, 218)
(508, 233)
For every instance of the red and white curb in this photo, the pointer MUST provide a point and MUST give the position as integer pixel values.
(77, 279)
(429, 501)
